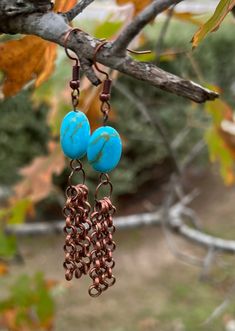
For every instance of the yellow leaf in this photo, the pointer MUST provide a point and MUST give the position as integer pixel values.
(139, 5)
(188, 17)
(223, 8)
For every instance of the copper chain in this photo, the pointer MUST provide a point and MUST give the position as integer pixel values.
(89, 244)
(102, 262)
(77, 227)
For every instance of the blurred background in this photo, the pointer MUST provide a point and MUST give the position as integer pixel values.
(164, 281)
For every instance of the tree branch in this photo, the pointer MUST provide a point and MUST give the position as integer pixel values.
(77, 9)
(11, 8)
(53, 27)
(176, 211)
(140, 21)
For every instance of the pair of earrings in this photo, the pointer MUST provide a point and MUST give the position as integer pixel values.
(89, 241)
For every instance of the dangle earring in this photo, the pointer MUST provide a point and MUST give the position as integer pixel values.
(74, 138)
(103, 153)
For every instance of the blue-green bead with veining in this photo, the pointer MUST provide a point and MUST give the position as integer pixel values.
(75, 134)
(104, 149)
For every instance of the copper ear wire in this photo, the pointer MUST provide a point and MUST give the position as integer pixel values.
(106, 92)
(75, 82)
(102, 43)
(66, 38)
(107, 85)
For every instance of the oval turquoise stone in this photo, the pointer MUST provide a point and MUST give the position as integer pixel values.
(104, 149)
(75, 134)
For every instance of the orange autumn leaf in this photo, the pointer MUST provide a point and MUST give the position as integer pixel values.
(3, 269)
(139, 5)
(27, 59)
(63, 5)
(188, 17)
(24, 60)
(37, 182)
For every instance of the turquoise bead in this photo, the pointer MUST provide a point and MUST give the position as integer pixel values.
(75, 134)
(104, 149)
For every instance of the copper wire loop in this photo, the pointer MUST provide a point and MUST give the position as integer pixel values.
(76, 167)
(105, 109)
(104, 181)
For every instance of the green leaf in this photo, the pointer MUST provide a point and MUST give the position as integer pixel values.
(22, 292)
(45, 307)
(18, 211)
(8, 246)
(107, 29)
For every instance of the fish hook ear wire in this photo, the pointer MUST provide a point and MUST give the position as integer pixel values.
(106, 92)
(105, 95)
(75, 82)
(102, 43)
(66, 38)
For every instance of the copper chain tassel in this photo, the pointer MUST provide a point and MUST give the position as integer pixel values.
(102, 262)
(77, 227)
(89, 244)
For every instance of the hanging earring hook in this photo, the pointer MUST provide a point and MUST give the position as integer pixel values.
(103, 42)
(107, 84)
(66, 38)
(106, 91)
(75, 82)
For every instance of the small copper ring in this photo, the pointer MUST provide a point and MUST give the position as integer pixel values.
(97, 290)
(104, 183)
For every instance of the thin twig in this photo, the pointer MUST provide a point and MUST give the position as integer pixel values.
(140, 21)
(77, 9)
(207, 263)
(141, 107)
(162, 34)
(222, 307)
(171, 218)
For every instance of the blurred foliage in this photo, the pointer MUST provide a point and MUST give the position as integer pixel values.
(8, 247)
(29, 305)
(211, 63)
(23, 135)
